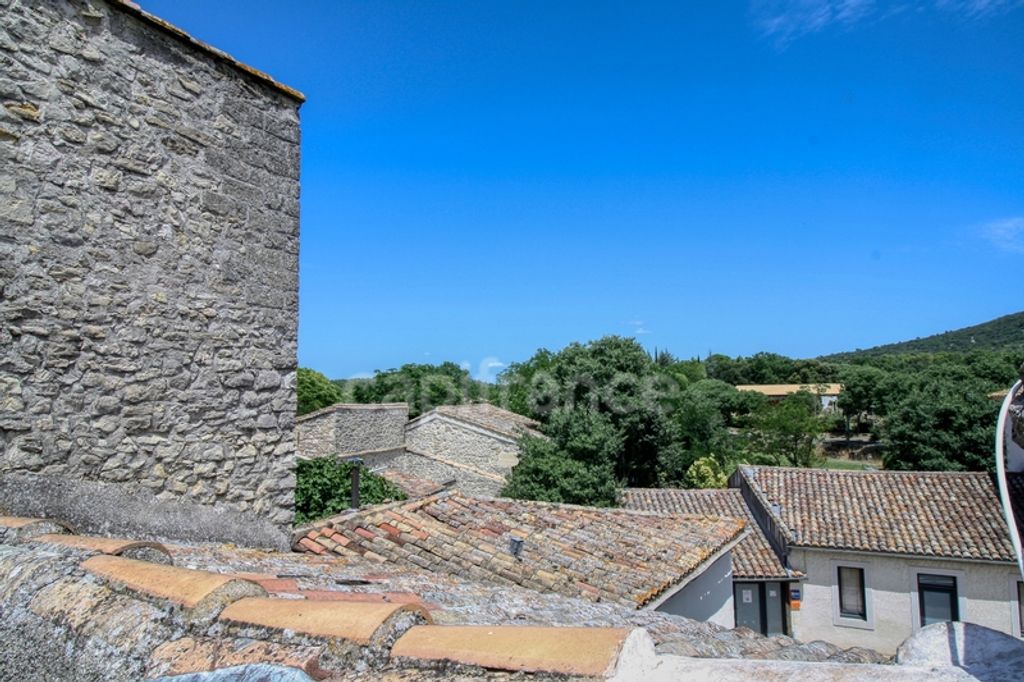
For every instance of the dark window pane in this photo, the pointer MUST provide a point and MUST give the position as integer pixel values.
(1020, 605)
(938, 597)
(851, 593)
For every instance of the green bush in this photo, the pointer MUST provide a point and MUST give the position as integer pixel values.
(323, 487)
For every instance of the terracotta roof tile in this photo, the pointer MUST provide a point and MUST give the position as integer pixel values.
(354, 621)
(413, 486)
(200, 591)
(752, 558)
(624, 556)
(939, 514)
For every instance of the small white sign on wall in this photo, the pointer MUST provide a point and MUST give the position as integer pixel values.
(748, 596)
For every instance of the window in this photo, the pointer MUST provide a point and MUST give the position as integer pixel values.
(1020, 606)
(852, 602)
(938, 597)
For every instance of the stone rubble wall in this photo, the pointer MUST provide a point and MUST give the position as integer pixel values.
(463, 443)
(440, 473)
(149, 205)
(349, 429)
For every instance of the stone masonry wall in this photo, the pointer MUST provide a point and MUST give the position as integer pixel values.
(348, 429)
(465, 444)
(441, 473)
(148, 261)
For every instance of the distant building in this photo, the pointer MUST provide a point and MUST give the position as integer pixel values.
(469, 447)
(827, 393)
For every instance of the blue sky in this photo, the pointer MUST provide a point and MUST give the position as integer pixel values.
(481, 179)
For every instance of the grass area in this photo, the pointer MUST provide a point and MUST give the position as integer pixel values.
(851, 465)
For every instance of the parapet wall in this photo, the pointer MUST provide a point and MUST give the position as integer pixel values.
(347, 429)
(148, 261)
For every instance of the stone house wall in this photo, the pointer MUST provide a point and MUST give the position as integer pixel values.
(349, 429)
(464, 443)
(149, 218)
(440, 472)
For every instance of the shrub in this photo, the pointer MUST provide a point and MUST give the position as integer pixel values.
(323, 488)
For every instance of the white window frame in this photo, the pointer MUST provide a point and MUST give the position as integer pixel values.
(1014, 605)
(869, 611)
(915, 604)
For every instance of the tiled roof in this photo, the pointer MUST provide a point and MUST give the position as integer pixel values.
(413, 486)
(752, 558)
(615, 555)
(488, 416)
(937, 514)
(775, 390)
(340, 617)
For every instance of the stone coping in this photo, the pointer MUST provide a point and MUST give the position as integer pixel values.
(352, 407)
(357, 622)
(136, 11)
(591, 652)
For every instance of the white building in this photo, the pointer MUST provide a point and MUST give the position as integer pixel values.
(883, 553)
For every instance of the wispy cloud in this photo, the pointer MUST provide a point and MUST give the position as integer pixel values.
(1006, 234)
(638, 327)
(488, 369)
(786, 20)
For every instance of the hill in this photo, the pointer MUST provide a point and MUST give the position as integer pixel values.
(1002, 333)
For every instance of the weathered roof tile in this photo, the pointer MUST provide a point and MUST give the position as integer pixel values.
(627, 556)
(753, 557)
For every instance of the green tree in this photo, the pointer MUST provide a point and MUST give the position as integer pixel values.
(314, 391)
(787, 432)
(705, 473)
(323, 488)
(945, 426)
(574, 464)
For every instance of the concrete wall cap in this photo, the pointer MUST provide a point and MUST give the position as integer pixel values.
(200, 590)
(113, 546)
(17, 521)
(356, 622)
(582, 651)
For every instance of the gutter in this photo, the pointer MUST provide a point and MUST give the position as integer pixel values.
(898, 555)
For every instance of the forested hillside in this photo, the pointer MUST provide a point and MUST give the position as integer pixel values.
(1002, 333)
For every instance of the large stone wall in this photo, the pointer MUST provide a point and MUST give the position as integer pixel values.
(347, 429)
(148, 261)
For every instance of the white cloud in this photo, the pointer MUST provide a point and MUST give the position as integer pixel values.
(488, 368)
(1006, 234)
(640, 331)
(786, 20)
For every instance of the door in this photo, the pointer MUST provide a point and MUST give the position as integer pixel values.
(748, 598)
(938, 597)
(775, 608)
